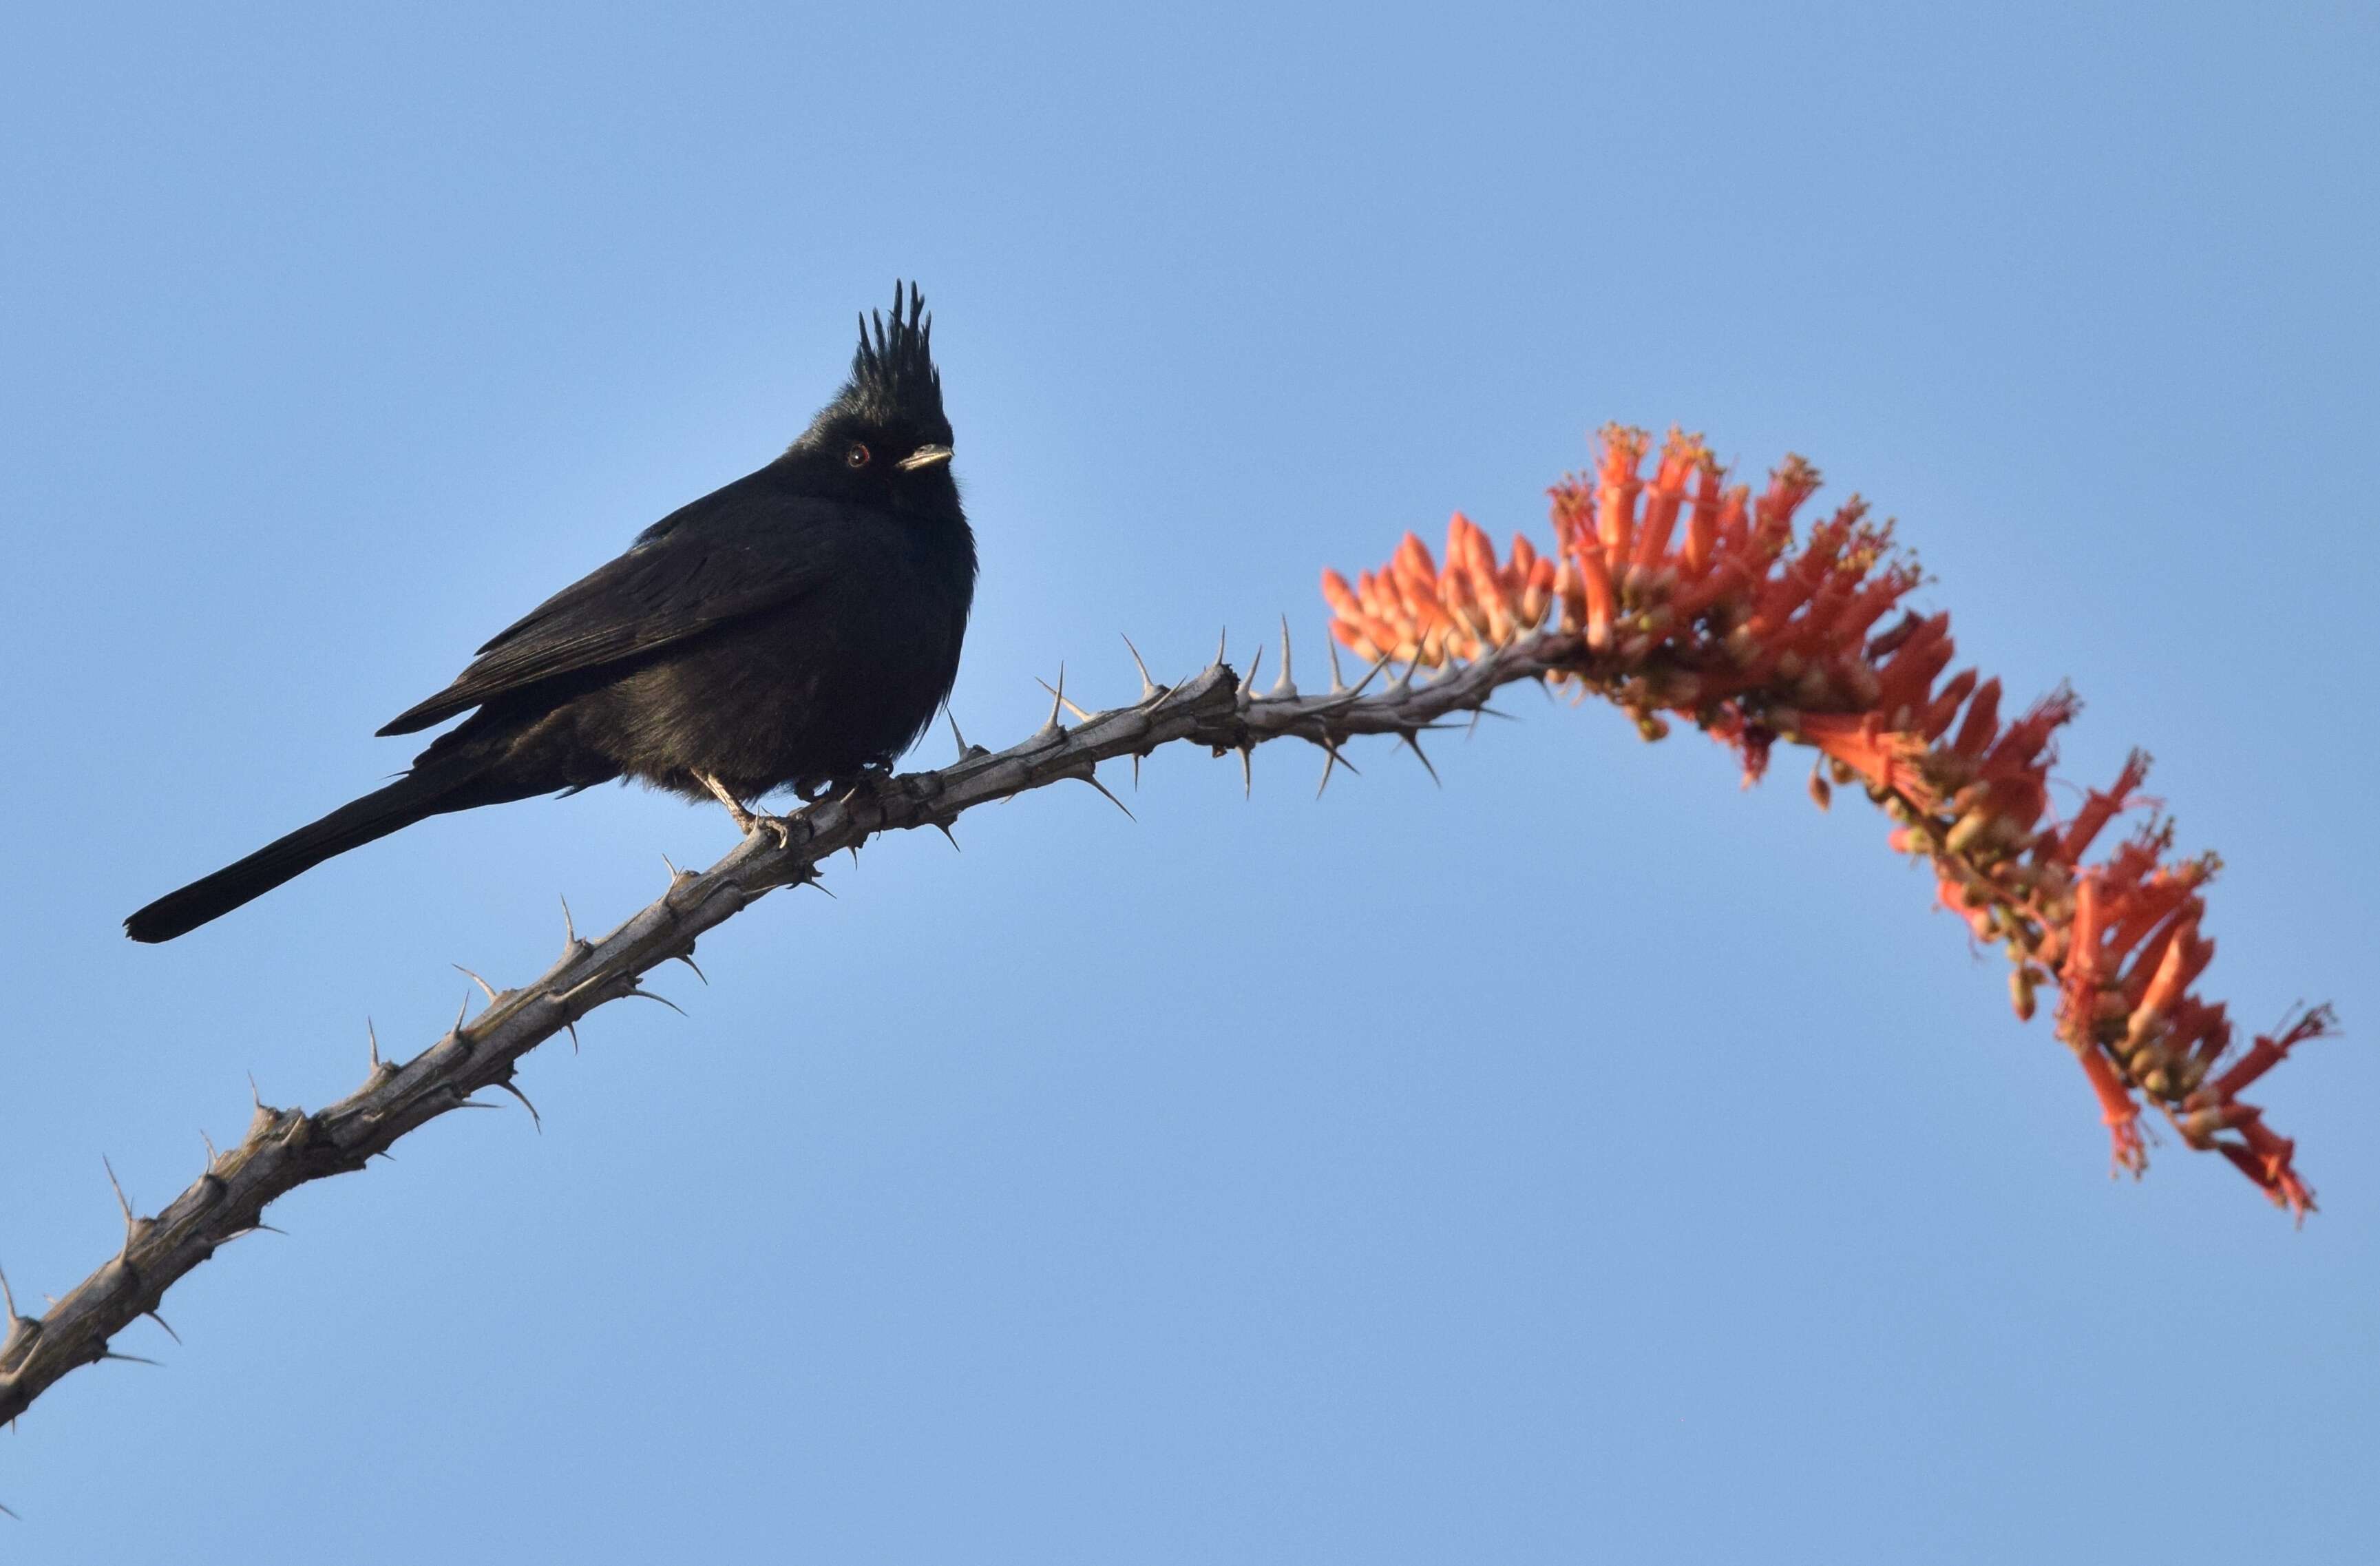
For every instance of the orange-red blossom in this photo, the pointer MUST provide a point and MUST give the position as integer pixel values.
(1690, 596)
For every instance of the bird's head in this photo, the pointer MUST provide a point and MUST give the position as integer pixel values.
(885, 438)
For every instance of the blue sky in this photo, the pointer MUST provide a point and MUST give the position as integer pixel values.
(1586, 1161)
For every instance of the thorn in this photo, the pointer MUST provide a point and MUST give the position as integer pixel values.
(8, 1295)
(1338, 682)
(686, 956)
(535, 1119)
(1247, 772)
(213, 1157)
(13, 1517)
(119, 1197)
(1345, 699)
(569, 926)
(460, 1012)
(955, 735)
(647, 994)
(1093, 779)
(372, 1034)
(1248, 680)
(164, 1323)
(255, 1093)
(821, 886)
(1483, 710)
(1147, 687)
(674, 870)
(1059, 691)
(474, 978)
(1220, 642)
(574, 1036)
(128, 1359)
(1412, 740)
(592, 981)
(1285, 685)
(944, 828)
(1136, 771)
(1331, 758)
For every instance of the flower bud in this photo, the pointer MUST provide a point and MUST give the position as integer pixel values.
(1969, 829)
(2020, 993)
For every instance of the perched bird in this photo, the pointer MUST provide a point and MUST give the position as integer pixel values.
(794, 628)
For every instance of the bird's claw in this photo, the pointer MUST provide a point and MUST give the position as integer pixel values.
(749, 821)
(873, 782)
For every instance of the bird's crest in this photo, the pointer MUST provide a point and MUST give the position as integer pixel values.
(892, 375)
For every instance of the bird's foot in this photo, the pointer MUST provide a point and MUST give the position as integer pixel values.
(874, 783)
(749, 821)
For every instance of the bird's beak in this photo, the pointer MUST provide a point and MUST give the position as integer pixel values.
(924, 456)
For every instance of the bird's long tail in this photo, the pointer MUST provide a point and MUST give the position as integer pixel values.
(425, 791)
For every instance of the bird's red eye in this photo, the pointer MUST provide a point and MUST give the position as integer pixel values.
(857, 456)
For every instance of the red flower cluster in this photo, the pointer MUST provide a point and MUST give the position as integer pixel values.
(1756, 636)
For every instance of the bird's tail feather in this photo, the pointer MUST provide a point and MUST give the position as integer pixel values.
(420, 794)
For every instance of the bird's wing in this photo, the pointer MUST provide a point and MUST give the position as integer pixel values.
(725, 556)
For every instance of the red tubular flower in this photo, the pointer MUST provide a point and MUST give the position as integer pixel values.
(1703, 528)
(2101, 808)
(1681, 456)
(1615, 494)
(1727, 623)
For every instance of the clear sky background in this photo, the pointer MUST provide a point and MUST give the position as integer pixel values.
(1584, 1161)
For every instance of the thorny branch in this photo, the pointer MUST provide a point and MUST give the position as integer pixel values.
(286, 1148)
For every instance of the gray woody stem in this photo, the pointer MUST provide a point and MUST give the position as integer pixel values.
(286, 1148)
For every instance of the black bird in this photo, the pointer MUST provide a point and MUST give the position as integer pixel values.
(796, 628)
